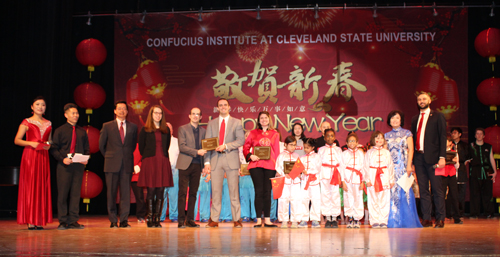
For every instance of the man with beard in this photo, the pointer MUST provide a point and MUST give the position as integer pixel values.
(429, 128)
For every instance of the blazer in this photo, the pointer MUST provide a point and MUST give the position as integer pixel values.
(187, 146)
(117, 154)
(147, 143)
(234, 138)
(434, 138)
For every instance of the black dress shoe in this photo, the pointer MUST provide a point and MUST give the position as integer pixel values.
(192, 224)
(113, 225)
(31, 227)
(75, 225)
(426, 223)
(62, 226)
(458, 221)
(124, 224)
(38, 228)
(181, 225)
(257, 226)
(270, 225)
(439, 224)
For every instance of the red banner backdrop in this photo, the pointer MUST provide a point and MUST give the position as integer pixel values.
(344, 67)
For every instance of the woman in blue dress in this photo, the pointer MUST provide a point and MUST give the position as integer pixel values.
(403, 213)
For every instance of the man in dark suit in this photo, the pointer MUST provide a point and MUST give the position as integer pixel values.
(189, 164)
(463, 152)
(429, 130)
(117, 143)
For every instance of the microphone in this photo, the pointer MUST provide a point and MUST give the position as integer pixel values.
(435, 166)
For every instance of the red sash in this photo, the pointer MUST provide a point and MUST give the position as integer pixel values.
(310, 178)
(378, 182)
(335, 176)
(360, 177)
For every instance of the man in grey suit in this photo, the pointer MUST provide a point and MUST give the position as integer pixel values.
(189, 165)
(117, 143)
(224, 159)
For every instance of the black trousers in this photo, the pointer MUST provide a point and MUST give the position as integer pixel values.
(262, 184)
(425, 174)
(69, 185)
(481, 192)
(140, 211)
(462, 189)
(452, 199)
(189, 177)
(113, 180)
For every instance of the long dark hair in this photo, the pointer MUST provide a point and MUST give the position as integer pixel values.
(302, 135)
(150, 125)
(270, 127)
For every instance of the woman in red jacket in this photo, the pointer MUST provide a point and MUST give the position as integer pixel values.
(262, 170)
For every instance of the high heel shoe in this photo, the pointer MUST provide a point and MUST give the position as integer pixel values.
(257, 225)
(270, 225)
(31, 227)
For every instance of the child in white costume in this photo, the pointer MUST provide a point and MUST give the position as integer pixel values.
(331, 164)
(290, 198)
(310, 189)
(379, 177)
(352, 181)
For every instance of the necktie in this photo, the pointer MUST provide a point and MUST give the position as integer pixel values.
(73, 141)
(222, 132)
(418, 131)
(122, 133)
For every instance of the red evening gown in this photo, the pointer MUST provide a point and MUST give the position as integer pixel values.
(34, 204)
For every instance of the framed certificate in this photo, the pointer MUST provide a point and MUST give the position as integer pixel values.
(288, 166)
(244, 169)
(209, 144)
(263, 152)
(449, 157)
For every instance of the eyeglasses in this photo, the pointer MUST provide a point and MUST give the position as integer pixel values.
(351, 141)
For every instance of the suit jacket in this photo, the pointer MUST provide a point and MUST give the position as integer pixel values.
(187, 146)
(434, 138)
(234, 138)
(147, 143)
(118, 154)
(463, 153)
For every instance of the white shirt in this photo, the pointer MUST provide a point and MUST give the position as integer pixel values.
(173, 151)
(119, 122)
(424, 124)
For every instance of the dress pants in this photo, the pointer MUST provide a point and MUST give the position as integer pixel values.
(217, 176)
(69, 184)
(330, 199)
(140, 211)
(450, 182)
(262, 184)
(113, 180)
(188, 178)
(462, 189)
(481, 192)
(379, 204)
(425, 174)
(353, 202)
(202, 206)
(170, 198)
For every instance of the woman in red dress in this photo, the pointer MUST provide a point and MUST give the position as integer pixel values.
(156, 173)
(34, 204)
(262, 170)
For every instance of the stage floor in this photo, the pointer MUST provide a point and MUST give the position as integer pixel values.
(474, 237)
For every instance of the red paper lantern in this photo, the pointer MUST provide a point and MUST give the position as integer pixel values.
(91, 52)
(137, 98)
(429, 80)
(487, 43)
(93, 135)
(91, 186)
(89, 95)
(488, 92)
(150, 75)
(492, 137)
(448, 101)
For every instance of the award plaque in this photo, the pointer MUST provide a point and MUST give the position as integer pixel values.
(449, 157)
(288, 166)
(210, 144)
(263, 152)
(244, 169)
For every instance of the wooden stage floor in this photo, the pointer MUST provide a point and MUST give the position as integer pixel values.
(479, 237)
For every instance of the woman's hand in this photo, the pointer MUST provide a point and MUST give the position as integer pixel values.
(409, 171)
(254, 158)
(344, 186)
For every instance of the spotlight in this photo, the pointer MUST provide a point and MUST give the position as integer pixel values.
(316, 9)
(434, 12)
(199, 14)
(375, 11)
(143, 19)
(89, 19)
(258, 12)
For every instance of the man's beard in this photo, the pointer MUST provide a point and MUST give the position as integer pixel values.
(423, 108)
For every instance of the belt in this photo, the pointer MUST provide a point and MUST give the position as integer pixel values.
(419, 151)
